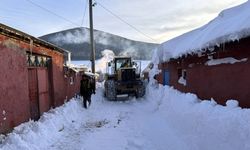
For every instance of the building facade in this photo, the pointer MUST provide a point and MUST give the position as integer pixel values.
(221, 74)
(32, 78)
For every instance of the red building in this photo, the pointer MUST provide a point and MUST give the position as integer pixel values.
(32, 78)
(212, 61)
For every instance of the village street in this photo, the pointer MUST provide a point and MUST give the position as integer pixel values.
(187, 66)
(118, 125)
(132, 124)
(170, 120)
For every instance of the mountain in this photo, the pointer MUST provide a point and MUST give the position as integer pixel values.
(76, 40)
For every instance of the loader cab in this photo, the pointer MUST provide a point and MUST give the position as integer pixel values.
(119, 63)
(122, 62)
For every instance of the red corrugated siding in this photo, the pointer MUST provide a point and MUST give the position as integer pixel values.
(222, 82)
(73, 88)
(14, 86)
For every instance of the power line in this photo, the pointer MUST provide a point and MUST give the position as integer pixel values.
(45, 9)
(118, 17)
(84, 13)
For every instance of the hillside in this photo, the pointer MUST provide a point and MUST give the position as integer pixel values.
(76, 40)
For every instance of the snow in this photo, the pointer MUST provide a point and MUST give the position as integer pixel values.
(163, 119)
(182, 81)
(230, 25)
(232, 103)
(101, 64)
(227, 60)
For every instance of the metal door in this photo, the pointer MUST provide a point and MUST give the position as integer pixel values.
(33, 94)
(166, 77)
(43, 89)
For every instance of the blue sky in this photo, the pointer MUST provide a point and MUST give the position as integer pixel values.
(159, 19)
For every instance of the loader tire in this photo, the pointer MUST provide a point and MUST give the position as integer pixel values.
(141, 90)
(110, 90)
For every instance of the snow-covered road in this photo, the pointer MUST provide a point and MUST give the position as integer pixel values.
(164, 120)
(131, 125)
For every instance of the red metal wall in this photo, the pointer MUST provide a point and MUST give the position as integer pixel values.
(14, 85)
(159, 77)
(72, 88)
(221, 82)
(14, 100)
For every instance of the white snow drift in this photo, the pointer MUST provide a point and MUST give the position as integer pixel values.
(165, 119)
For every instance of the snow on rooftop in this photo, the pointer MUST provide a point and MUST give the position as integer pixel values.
(230, 25)
(227, 60)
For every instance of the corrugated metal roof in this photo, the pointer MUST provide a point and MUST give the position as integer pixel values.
(9, 31)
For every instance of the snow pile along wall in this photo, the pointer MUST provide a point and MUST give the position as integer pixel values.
(38, 135)
(203, 124)
(164, 118)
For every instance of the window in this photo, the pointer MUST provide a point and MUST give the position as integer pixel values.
(34, 60)
(120, 62)
(179, 71)
(182, 75)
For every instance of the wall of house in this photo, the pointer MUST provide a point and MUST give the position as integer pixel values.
(72, 83)
(220, 82)
(14, 85)
(14, 89)
(159, 77)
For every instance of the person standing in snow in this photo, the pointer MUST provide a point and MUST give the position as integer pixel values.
(87, 88)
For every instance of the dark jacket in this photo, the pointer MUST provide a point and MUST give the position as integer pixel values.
(87, 87)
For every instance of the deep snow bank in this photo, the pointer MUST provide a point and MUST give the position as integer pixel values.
(165, 119)
(203, 124)
(38, 135)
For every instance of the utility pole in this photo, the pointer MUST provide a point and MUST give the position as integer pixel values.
(92, 44)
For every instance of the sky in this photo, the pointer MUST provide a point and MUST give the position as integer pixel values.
(143, 20)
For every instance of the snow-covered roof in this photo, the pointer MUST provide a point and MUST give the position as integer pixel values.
(90, 74)
(230, 25)
(21, 35)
